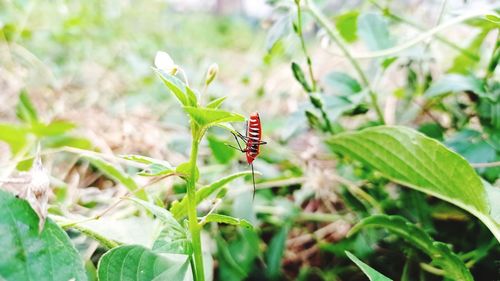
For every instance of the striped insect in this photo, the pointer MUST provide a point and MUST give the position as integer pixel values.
(252, 140)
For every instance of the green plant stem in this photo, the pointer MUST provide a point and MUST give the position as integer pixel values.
(421, 37)
(495, 56)
(440, 38)
(431, 269)
(194, 227)
(303, 45)
(325, 23)
(110, 244)
(314, 86)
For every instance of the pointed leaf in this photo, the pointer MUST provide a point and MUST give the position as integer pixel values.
(25, 110)
(223, 153)
(155, 167)
(156, 170)
(192, 99)
(346, 24)
(117, 174)
(175, 86)
(280, 29)
(300, 77)
(136, 263)
(414, 160)
(342, 84)
(216, 103)
(145, 160)
(372, 274)
(172, 238)
(228, 220)
(275, 251)
(28, 255)
(206, 117)
(373, 29)
(179, 209)
(439, 252)
(15, 136)
(455, 83)
(52, 129)
(184, 169)
(162, 214)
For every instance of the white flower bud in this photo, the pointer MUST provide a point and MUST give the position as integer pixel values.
(165, 63)
(211, 73)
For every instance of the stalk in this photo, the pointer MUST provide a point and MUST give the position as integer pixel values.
(440, 38)
(303, 45)
(325, 23)
(194, 227)
(314, 86)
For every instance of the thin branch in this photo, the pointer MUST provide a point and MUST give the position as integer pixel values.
(330, 30)
(421, 37)
(303, 45)
(415, 25)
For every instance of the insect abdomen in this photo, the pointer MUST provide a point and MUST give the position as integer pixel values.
(254, 136)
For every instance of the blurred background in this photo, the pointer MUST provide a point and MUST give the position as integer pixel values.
(88, 65)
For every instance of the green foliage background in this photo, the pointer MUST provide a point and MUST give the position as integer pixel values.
(382, 123)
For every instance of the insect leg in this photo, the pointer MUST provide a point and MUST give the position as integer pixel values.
(238, 142)
(242, 137)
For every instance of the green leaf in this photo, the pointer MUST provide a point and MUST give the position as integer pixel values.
(66, 140)
(155, 167)
(300, 77)
(275, 251)
(179, 209)
(372, 274)
(156, 170)
(25, 110)
(136, 263)
(335, 106)
(176, 86)
(216, 103)
(118, 175)
(162, 214)
(206, 117)
(414, 160)
(346, 24)
(440, 253)
(228, 220)
(15, 136)
(472, 146)
(145, 160)
(28, 255)
(278, 30)
(172, 238)
(223, 153)
(388, 62)
(230, 269)
(52, 129)
(455, 83)
(342, 84)
(184, 170)
(493, 18)
(465, 62)
(493, 194)
(373, 29)
(192, 99)
(433, 130)
(236, 257)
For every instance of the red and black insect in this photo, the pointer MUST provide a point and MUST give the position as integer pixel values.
(252, 140)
